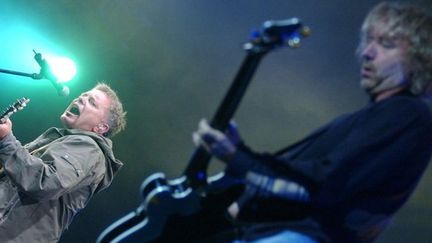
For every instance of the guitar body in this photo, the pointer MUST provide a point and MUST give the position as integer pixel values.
(209, 220)
(173, 212)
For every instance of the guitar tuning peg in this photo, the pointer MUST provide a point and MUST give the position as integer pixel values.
(305, 31)
(294, 42)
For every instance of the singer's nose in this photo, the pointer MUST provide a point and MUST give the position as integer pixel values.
(81, 100)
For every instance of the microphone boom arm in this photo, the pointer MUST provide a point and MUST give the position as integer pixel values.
(45, 72)
(30, 75)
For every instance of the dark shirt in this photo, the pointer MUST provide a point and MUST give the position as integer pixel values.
(359, 169)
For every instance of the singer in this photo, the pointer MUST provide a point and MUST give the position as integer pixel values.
(45, 183)
(345, 181)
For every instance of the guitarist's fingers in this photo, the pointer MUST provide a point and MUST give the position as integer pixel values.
(6, 122)
(3, 120)
(5, 128)
(205, 140)
(233, 133)
(196, 138)
(203, 126)
(209, 134)
(214, 141)
(203, 136)
(209, 138)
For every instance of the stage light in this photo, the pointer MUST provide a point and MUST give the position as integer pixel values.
(63, 68)
(17, 52)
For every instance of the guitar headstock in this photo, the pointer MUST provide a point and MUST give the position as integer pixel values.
(18, 105)
(276, 33)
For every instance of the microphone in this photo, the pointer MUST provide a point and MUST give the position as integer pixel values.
(62, 90)
(45, 72)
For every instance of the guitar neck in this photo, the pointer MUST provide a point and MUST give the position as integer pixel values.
(18, 105)
(274, 34)
(196, 171)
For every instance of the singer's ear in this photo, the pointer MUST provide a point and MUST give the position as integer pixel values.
(101, 128)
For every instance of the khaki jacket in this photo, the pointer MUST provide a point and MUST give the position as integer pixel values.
(45, 183)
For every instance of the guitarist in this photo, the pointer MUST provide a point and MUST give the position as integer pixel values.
(345, 181)
(48, 181)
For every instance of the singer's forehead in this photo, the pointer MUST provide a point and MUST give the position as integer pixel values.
(96, 94)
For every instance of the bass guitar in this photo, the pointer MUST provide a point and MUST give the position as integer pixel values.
(188, 207)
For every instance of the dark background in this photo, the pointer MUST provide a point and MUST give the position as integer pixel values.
(171, 63)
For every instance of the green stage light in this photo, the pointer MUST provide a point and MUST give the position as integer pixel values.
(63, 68)
(20, 38)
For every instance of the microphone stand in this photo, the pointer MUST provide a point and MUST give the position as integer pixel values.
(36, 76)
(45, 72)
(31, 75)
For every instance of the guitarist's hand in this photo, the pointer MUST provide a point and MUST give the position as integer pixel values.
(5, 128)
(223, 146)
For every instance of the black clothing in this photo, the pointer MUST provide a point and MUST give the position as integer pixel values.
(359, 169)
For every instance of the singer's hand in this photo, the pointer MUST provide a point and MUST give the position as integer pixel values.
(5, 128)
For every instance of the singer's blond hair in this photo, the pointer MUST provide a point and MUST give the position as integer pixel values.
(117, 116)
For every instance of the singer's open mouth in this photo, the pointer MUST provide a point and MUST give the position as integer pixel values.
(74, 110)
